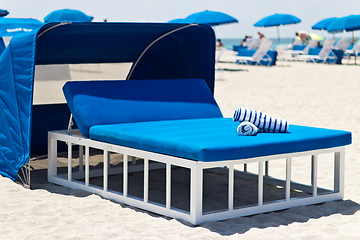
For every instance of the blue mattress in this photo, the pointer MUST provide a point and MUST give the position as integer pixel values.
(215, 139)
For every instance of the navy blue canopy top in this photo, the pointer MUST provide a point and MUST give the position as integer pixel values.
(174, 50)
(157, 51)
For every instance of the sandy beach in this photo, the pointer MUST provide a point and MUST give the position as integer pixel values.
(318, 95)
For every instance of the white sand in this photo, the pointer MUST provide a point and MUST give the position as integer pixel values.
(306, 94)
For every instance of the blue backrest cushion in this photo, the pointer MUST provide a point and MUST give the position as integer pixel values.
(112, 102)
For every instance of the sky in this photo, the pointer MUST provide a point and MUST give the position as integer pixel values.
(247, 12)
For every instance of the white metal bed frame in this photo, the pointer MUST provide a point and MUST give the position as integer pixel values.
(196, 214)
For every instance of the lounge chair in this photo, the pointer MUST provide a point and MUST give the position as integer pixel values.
(177, 124)
(341, 47)
(312, 44)
(354, 50)
(325, 55)
(254, 44)
(297, 41)
(259, 55)
(343, 44)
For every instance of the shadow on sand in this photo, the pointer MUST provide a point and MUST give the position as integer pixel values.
(226, 227)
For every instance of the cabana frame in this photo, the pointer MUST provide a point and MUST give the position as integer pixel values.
(196, 214)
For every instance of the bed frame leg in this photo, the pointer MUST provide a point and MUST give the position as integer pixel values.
(69, 161)
(106, 170)
(314, 170)
(288, 179)
(196, 194)
(125, 175)
(231, 188)
(146, 180)
(87, 172)
(52, 155)
(168, 185)
(339, 162)
(261, 183)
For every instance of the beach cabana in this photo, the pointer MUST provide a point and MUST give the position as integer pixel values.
(157, 51)
(164, 118)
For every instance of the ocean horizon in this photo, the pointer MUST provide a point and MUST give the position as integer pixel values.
(230, 42)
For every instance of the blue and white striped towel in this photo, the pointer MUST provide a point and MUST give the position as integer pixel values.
(262, 121)
(247, 129)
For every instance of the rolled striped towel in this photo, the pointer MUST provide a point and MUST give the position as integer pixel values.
(247, 129)
(262, 121)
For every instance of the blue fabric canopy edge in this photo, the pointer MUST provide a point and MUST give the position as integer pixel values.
(13, 26)
(16, 80)
(192, 56)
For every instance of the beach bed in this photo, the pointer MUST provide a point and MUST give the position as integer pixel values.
(175, 124)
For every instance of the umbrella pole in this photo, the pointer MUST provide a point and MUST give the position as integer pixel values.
(278, 33)
(353, 42)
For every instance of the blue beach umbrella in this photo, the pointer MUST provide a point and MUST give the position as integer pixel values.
(13, 26)
(277, 20)
(323, 24)
(67, 15)
(350, 23)
(3, 13)
(211, 18)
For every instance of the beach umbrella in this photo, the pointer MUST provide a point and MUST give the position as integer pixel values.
(350, 23)
(67, 15)
(277, 20)
(3, 13)
(323, 24)
(211, 18)
(13, 26)
(316, 37)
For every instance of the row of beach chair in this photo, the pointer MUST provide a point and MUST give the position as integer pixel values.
(258, 52)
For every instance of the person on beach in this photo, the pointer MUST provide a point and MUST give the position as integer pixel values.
(304, 36)
(219, 44)
(246, 40)
(261, 35)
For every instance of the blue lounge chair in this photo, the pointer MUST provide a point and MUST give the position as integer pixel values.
(325, 55)
(312, 44)
(261, 56)
(178, 123)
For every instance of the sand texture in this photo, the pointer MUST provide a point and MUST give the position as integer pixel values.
(316, 95)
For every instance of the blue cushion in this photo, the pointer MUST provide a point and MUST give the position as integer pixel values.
(249, 53)
(215, 139)
(113, 102)
(338, 53)
(298, 47)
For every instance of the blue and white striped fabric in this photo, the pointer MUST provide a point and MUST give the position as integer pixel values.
(262, 121)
